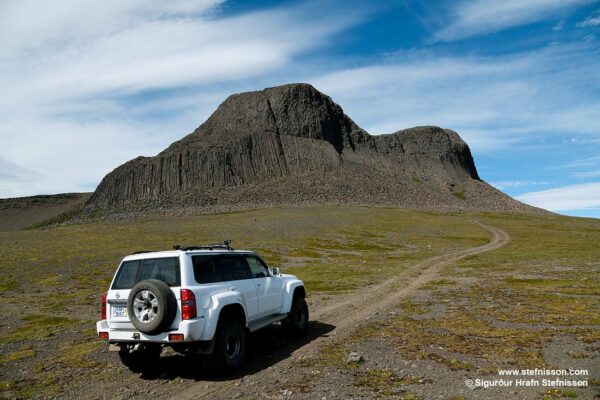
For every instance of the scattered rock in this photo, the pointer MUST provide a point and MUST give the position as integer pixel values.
(353, 357)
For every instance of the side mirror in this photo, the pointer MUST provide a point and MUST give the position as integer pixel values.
(275, 271)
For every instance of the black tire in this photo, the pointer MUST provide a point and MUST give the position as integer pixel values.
(297, 320)
(230, 345)
(141, 360)
(156, 316)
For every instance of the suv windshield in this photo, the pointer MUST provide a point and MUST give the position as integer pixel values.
(163, 269)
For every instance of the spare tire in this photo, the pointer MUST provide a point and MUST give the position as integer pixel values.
(151, 306)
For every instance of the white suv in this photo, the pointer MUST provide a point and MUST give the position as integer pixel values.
(200, 299)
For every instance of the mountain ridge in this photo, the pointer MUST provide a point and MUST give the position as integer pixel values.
(292, 144)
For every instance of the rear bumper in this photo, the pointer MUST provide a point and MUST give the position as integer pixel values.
(190, 329)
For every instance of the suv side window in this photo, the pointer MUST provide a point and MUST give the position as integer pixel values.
(257, 267)
(219, 268)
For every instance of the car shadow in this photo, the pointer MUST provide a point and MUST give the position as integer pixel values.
(266, 347)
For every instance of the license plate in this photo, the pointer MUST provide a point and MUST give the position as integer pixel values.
(119, 312)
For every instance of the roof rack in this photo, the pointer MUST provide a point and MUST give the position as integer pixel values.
(226, 245)
(142, 251)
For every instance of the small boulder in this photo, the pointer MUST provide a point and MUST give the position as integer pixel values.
(354, 357)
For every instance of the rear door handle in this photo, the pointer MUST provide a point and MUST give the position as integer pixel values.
(258, 284)
(232, 288)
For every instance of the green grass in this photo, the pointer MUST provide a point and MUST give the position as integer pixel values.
(7, 284)
(75, 355)
(552, 285)
(38, 326)
(550, 268)
(355, 246)
(544, 283)
(439, 282)
(560, 394)
(43, 380)
(335, 356)
(63, 270)
(461, 195)
(17, 355)
(383, 380)
(60, 219)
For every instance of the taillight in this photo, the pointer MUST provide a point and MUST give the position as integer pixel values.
(188, 304)
(104, 305)
(176, 337)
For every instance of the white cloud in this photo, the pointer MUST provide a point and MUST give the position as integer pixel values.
(586, 174)
(87, 85)
(18, 180)
(480, 17)
(592, 20)
(11, 170)
(559, 26)
(73, 155)
(584, 162)
(26, 25)
(146, 50)
(501, 185)
(493, 102)
(574, 197)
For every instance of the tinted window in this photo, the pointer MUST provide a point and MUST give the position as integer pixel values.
(127, 276)
(219, 268)
(163, 269)
(258, 268)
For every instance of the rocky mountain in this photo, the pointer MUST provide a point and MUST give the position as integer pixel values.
(292, 145)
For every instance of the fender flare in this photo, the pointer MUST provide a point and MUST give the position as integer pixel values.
(219, 302)
(289, 289)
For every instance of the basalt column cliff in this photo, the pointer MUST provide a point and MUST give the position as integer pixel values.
(292, 145)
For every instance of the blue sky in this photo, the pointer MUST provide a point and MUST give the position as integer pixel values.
(88, 85)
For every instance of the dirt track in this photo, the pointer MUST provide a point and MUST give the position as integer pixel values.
(351, 311)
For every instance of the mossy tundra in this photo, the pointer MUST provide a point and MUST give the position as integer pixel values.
(52, 279)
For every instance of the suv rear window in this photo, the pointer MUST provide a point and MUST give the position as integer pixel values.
(163, 269)
(219, 268)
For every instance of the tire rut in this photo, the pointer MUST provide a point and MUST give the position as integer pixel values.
(351, 313)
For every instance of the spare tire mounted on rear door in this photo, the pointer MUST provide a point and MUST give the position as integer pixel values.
(151, 306)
